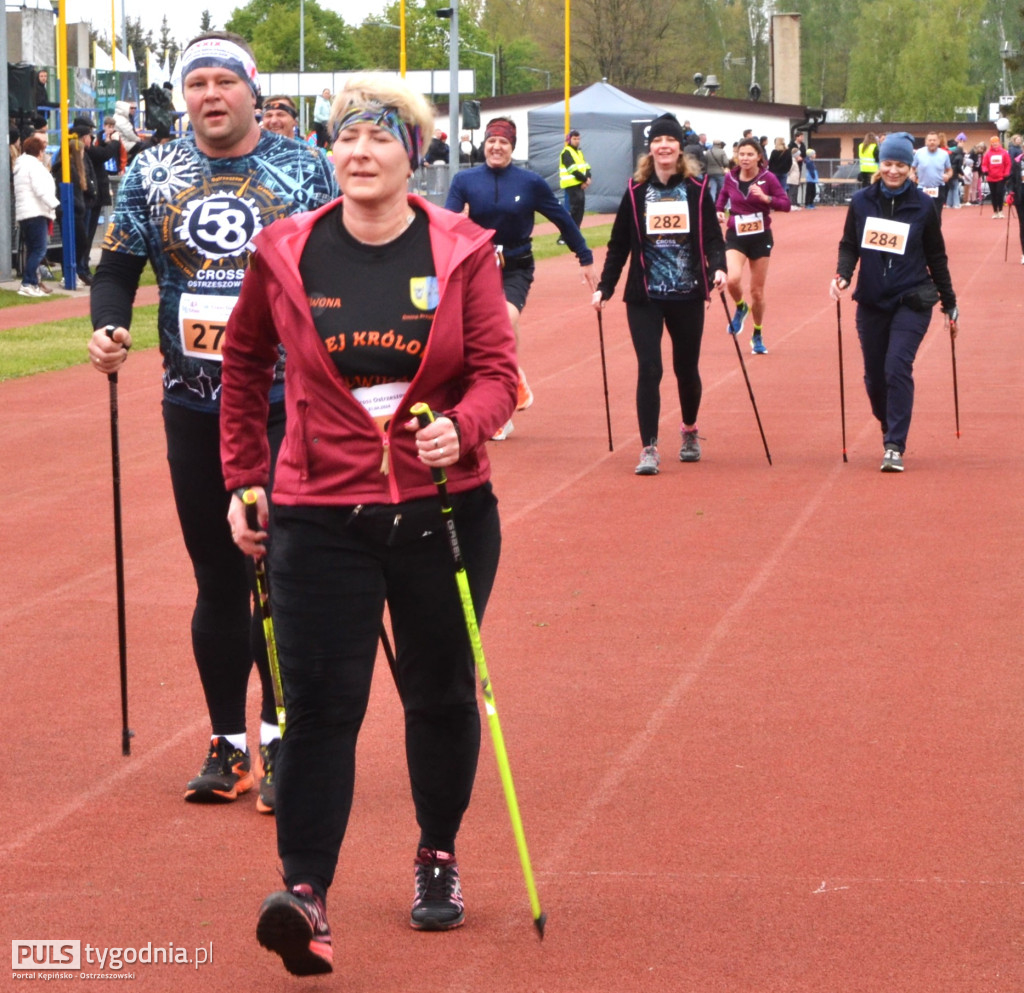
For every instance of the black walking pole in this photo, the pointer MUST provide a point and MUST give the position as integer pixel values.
(263, 590)
(1006, 247)
(604, 373)
(842, 392)
(952, 325)
(122, 640)
(743, 366)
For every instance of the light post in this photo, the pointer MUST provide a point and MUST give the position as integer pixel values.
(706, 86)
(1002, 126)
(452, 13)
(494, 65)
(543, 72)
(1007, 54)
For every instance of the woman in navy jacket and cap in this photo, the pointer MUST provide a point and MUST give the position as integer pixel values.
(893, 231)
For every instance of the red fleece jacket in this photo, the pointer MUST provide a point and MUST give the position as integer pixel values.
(333, 452)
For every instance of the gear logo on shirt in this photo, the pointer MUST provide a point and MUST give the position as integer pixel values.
(220, 226)
(423, 292)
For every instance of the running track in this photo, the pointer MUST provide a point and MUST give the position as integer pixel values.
(765, 722)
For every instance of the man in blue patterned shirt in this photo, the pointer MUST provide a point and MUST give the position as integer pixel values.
(191, 208)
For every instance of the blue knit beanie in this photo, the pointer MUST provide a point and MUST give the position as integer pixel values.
(897, 147)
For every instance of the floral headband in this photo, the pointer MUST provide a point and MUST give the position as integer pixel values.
(387, 118)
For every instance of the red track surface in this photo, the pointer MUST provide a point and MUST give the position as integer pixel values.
(765, 722)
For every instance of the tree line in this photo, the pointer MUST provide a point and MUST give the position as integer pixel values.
(880, 59)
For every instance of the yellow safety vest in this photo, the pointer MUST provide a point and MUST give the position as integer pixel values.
(565, 176)
(866, 153)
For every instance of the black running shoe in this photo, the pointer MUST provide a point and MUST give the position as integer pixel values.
(267, 799)
(224, 776)
(293, 923)
(437, 905)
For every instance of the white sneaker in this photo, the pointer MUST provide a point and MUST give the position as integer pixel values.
(28, 290)
(503, 432)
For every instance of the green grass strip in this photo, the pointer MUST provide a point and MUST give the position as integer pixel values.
(60, 344)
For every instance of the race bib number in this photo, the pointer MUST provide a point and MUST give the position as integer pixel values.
(203, 320)
(884, 235)
(932, 191)
(668, 217)
(381, 402)
(995, 160)
(747, 224)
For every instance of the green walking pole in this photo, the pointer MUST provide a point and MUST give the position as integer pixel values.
(425, 415)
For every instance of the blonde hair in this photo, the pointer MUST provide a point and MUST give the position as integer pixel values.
(388, 91)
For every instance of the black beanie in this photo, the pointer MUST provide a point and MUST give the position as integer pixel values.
(667, 124)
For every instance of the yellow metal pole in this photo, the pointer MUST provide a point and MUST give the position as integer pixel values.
(401, 35)
(568, 21)
(113, 33)
(62, 75)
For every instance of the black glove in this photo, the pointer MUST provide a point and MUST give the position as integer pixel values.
(952, 313)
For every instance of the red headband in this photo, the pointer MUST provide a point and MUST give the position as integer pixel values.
(499, 128)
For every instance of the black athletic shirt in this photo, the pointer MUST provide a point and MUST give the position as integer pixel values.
(372, 305)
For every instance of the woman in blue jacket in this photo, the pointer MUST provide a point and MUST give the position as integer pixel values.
(893, 231)
(666, 226)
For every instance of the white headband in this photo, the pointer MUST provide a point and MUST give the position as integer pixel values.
(218, 52)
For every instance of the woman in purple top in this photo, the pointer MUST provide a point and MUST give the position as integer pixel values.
(750, 192)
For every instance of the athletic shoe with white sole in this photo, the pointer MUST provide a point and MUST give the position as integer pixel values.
(690, 451)
(893, 461)
(736, 323)
(437, 903)
(649, 462)
(503, 432)
(225, 775)
(757, 345)
(30, 290)
(524, 397)
(293, 923)
(267, 799)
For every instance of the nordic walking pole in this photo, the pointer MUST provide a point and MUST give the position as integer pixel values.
(743, 366)
(842, 392)
(604, 373)
(952, 326)
(1006, 247)
(263, 588)
(425, 415)
(122, 641)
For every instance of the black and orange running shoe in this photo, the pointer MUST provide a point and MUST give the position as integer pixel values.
(437, 905)
(225, 775)
(293, 923)
(267, 799)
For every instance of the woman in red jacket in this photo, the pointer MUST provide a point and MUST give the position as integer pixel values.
(995, 167)
(381, 300)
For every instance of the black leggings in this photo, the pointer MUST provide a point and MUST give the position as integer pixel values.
(997, 189)
(334, 570)
(684, 320)
(227, 635)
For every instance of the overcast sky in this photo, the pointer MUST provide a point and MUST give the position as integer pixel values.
(183, 15)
